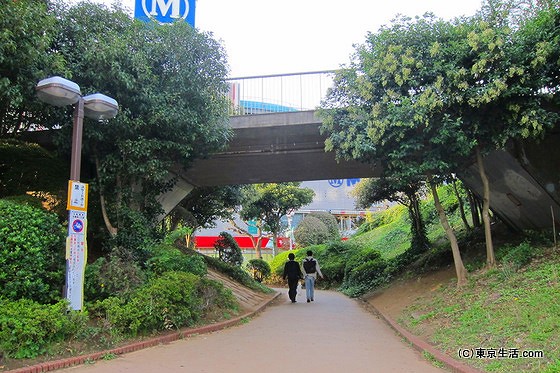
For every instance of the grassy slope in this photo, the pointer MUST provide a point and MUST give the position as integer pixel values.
(510, 308)
(503, 308)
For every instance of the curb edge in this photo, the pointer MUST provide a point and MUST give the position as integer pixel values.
(421, 345)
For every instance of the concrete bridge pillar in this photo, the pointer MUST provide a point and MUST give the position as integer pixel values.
(172, 198)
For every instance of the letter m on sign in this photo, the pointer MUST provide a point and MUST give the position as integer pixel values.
(165, 11)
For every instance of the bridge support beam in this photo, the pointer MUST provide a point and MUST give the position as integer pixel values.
(172, 198)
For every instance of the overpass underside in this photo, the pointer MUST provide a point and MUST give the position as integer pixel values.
(274, 147)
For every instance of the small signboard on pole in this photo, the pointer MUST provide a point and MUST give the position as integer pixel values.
(77, 196)
(76, 243)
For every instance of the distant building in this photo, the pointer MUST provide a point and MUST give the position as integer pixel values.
(330, 195)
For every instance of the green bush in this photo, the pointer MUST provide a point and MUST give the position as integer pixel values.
(364, 270)
(214, 295)
(332, 260)
(174, 300)
(311, 231)
(168, 258)
(259, 269)
(330, 222)
(32, 247)
(28, 327)
(236, 273)
(114, 275)
(163, 303)
(228, 249)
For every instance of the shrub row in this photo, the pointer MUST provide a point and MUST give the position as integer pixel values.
(31, 253)
(27, 327)
(171, 301)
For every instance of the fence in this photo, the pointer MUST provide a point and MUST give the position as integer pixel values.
(278, 93)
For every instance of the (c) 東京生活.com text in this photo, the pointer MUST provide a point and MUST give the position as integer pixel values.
(499, 353)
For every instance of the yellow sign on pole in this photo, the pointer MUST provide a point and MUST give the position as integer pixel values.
(77, 196)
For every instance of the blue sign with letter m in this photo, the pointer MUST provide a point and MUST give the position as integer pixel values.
(165, 11)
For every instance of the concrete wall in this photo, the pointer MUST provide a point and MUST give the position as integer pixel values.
(524, 183)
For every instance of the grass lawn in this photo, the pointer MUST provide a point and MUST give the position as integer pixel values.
(500, 314)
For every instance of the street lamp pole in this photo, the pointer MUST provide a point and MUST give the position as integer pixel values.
(77, 130)
(62, 92)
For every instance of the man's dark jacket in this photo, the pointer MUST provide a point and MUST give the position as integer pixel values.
(292, 270)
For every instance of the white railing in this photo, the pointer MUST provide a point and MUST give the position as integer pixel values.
(279, 92)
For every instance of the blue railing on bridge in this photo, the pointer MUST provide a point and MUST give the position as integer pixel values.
(279, 92)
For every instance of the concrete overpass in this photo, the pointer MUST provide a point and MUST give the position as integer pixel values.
(525, 191)
(274, 147)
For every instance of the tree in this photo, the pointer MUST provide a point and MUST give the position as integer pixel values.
(269, 202)
(27, 29)
(311, 231)
(371, 191)
(228, 250)
(169, 81)
(503, 93)
(256, 239)
(427, 97)
(386, 108)
(330, 223)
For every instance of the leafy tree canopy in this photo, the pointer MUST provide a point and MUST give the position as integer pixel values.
(269, 202)
(27, 30)
(203, 206)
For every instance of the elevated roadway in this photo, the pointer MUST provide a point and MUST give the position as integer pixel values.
(274, 147)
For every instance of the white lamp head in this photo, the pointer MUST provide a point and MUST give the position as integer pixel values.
(98, 106)
(58, 91)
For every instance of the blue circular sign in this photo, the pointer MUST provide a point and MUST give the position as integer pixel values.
(77, 225)
(336, 183)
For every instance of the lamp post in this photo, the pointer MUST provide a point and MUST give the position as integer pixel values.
(58, 91)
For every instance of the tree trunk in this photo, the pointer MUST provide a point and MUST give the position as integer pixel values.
(274, 241)
(459, 267)
(110, 228)
(490, 258)
(419, 240)
(256, 241)
(473, 202)
(257, 246)
(461, 205)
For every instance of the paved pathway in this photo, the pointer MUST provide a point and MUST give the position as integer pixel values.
(332, 334)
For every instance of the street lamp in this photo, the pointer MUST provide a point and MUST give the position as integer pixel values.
(58, 91)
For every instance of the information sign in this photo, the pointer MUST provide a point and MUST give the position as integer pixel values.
(77, 196)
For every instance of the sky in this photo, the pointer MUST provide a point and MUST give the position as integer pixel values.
(290, 36)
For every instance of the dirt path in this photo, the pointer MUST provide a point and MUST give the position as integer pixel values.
(332, 334)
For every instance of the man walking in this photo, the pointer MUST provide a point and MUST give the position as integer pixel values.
(292, 271)
(310, 269)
